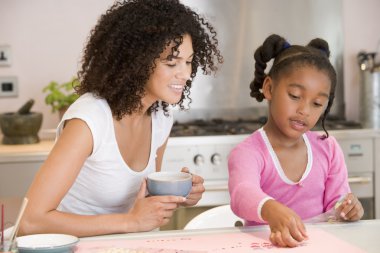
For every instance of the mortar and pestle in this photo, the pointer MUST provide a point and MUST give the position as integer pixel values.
(21, 127)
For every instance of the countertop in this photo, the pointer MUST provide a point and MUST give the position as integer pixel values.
(42, 149)
(361, 236)
(26, 152)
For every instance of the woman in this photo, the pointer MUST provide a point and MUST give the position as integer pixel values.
(140, 58)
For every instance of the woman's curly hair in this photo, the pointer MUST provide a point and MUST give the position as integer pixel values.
(288, 57)
(121, 50)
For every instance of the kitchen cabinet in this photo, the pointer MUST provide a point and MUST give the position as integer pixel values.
(19, 164)
(15, 177)
(377, 175)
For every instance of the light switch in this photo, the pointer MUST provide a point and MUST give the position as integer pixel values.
(5, 56)
(8, 86)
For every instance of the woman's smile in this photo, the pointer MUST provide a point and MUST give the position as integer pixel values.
(177, 88)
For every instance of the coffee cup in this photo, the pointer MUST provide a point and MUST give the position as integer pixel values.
(169, 183)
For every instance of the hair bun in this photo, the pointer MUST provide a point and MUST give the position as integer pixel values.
(272, 46)
(321, 45)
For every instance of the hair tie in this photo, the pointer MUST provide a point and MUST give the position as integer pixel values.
(286, 45)
(325, 51)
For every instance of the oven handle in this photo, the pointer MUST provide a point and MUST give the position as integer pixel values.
(223, 186)
(359, 180)
(216, 186)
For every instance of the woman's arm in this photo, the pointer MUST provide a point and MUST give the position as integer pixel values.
(55, 178)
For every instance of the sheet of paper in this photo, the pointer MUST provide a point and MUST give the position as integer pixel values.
(319, 241)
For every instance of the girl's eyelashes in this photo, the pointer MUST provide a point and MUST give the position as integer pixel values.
(292, 96)
(319, 104)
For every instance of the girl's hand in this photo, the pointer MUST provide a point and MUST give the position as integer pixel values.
(350, 209)
(196, 190)
(149, 213)
(287, 228)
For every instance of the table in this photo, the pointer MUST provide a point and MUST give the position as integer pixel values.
(361, 236)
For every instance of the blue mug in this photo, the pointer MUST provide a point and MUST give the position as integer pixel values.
(169, 183)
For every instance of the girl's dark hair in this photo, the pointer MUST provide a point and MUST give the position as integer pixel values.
(288, 57)
(121, 50)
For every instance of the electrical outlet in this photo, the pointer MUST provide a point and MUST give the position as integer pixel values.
(8, 86)
(5, 56)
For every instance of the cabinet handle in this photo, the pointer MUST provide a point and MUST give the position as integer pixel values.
(355, 154)
(359, 180)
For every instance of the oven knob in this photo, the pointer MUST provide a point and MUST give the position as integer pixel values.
(199, 160)
(216, 159)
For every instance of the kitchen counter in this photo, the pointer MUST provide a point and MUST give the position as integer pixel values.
(40, 150)
(220, 139)
(361, 236)
(20, 162)
(26, 152)
(18, 166)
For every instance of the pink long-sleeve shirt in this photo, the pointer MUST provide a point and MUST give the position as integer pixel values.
(255, 175)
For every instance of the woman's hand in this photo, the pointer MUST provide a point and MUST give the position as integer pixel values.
(196, 190)
(287, 228)
(350, 209)
(149, 213)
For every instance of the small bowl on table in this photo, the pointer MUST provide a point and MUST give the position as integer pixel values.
(166, 183)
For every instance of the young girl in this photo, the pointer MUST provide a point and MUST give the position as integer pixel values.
(283, 173)
(140, 57)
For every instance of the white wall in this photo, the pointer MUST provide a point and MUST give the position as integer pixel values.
(361, 20)
(47, 38)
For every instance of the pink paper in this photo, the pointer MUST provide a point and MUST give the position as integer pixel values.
(240, 242)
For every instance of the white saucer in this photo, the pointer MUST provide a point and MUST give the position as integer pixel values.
(46, 243)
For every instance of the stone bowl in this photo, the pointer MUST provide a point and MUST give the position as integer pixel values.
(20, 128)
(169, 183)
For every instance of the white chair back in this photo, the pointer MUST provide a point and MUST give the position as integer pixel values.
(217, 217)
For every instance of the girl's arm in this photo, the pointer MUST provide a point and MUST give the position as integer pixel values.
(336, 184)
(337, 187)
(350, 209)
(249, 201)
(56, 176)
(247, 197)
(287, 228)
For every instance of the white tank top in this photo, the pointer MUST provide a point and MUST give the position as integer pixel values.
(105, 183)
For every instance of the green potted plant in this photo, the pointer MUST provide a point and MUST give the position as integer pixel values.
(61, 96)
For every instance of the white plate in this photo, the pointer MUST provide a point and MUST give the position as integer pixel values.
(46, 243)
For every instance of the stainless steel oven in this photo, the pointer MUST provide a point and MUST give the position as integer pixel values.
(206, 154)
